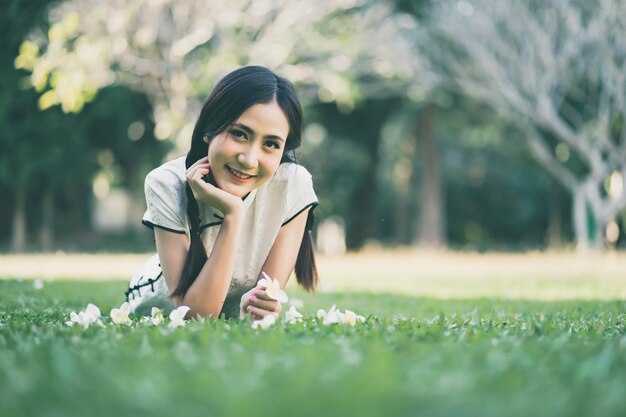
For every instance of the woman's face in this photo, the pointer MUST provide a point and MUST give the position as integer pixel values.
(247, 155)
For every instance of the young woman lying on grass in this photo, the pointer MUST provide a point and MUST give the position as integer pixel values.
(237, 206)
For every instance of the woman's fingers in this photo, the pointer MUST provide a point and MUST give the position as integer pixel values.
(259, 312)
(200, 172)
(262, 294)
(200, 162)
(269, 305)
(193, 169)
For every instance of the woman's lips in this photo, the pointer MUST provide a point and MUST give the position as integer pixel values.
(236, 178)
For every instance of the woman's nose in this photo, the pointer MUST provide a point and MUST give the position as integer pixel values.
(248, 158)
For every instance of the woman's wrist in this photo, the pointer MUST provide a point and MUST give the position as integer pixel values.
(234, 216)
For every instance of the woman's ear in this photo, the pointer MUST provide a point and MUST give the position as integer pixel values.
(205, 138)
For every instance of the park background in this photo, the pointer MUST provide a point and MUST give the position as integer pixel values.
(469, 157)
(459, 125)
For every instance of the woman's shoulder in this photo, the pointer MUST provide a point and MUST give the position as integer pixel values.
(171, 174)
(290, 184)
(290, 173)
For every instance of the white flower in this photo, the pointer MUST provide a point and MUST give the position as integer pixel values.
(272, 288)
(296, 302)
(177, 317)
(73, 319)
(92, 312)
(331, 316)
(350, 317)
(156, 316)
(334, 316)
(38, 284)
(86, 318)
(120, 315)
(292, 315)
(265, 322)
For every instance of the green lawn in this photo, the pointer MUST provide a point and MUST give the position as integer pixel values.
(413, 356)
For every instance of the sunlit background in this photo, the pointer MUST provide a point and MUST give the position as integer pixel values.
(453, 127)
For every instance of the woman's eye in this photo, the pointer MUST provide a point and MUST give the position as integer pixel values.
(238, 134)
(272, 144)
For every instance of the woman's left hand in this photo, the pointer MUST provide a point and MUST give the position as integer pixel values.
(259, 304)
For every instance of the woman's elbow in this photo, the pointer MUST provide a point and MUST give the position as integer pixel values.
(203, 308)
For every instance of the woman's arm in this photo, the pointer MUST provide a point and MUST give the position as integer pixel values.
(279, 264)
(208, 292)
(206, 295)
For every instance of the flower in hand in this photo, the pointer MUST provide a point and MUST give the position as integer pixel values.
(272, 288)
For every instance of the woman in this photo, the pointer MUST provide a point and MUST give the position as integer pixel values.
(236, 206)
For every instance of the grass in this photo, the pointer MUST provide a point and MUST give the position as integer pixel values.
(414, 356)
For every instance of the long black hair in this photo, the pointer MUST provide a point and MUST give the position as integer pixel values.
(231, 97)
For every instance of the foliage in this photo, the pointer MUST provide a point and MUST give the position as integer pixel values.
(496, 194)
(58, 153)
(174, 52)
(364, 69)
(411, 357)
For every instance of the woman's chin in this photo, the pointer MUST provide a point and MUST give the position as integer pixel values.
(234, 189)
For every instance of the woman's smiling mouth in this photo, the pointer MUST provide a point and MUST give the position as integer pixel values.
(238, 175)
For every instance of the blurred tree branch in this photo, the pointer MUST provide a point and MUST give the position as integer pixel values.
(556, 69)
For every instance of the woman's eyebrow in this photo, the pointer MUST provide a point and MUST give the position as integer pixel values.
(251, 132)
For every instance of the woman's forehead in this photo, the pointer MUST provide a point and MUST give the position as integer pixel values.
(265, 119)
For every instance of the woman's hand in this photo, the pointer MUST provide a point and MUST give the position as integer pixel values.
(208, 193)
(258, 304)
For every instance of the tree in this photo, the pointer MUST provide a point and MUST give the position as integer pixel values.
(175, 51)
(20, 163)
(556, 70)
(341, 52)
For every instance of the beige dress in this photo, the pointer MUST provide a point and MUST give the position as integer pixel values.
(267, 209)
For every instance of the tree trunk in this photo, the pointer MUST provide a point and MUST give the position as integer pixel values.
(596, 226)
(579, 208)
(555, 221)
(431, 222)
(402, 184)
(19, 221)
(360, 228)
(598, 234)
(46, 232)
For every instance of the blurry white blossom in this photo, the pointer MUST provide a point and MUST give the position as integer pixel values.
(38, 284)
(177, 317)
(350, 317)
(296, 302)
(265, 322)
(334, 316)
(272, 288)
(156, 316)
(86, 318)
(292, 315)
(120, 315)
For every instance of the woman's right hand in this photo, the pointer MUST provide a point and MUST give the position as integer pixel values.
(208, 193)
